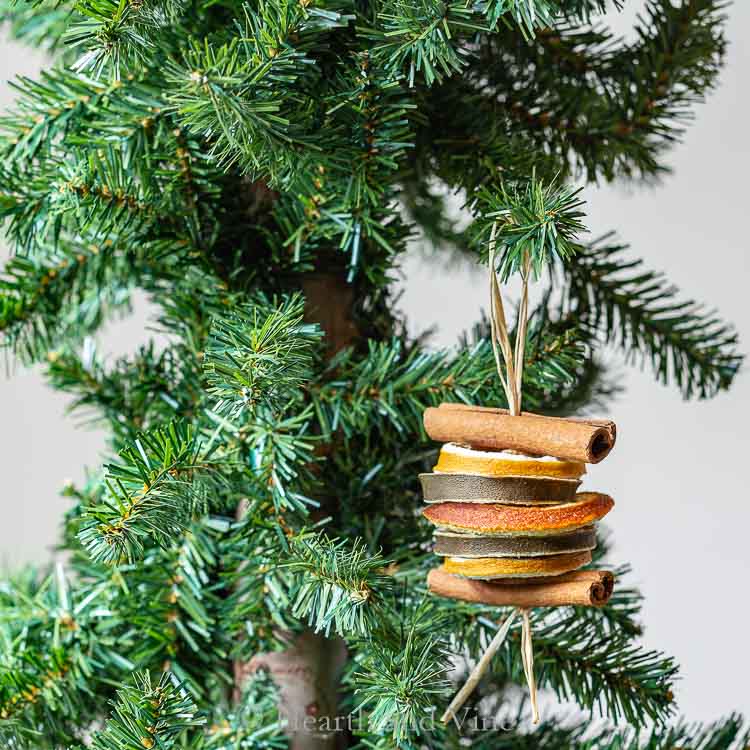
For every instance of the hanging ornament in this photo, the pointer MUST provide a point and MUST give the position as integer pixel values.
(511, 526)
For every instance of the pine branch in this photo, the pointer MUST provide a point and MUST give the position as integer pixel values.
(134, 394)
(605, 107)
(171, 609)
(56, 655)
(54, 104)
(536, 223)
(88, 193)
(386, 391)
(114, 196)
(279, 456)
(503, 733)
(65, 294)
(40, 25)
(401, 674)
(337, 586)
(420, 37)
(115, 159)
(276, 449)
(259, 353)
(252, 725)
(258, 604)
(577, 99)
(166, 475)
(561, 375)
(428, 37)
(528, 14)
(64, 109)
(684, 343)
(583, 655)
(149, 716)
(729, 732)
(346, 196)
(584, 660)
(607, 672)
(387, 388)
(476, 143)
(233, 92)
(118, 36)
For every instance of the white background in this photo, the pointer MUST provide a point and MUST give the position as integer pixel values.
(680, 472)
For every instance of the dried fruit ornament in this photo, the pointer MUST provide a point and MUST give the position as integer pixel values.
(510, 525)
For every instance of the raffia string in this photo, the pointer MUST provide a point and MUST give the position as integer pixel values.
(527, 654)
(510, 371)
(481, 667)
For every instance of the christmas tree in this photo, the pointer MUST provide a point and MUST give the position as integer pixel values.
(249, 568)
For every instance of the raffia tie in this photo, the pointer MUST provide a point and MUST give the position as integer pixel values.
(509, 359)
(527, 656)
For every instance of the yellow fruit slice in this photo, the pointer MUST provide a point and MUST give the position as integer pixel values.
(455, 459)
(513, 567)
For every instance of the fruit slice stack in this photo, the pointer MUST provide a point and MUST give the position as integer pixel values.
(505, 515)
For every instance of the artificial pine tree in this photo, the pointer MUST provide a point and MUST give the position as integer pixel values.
(252, 553)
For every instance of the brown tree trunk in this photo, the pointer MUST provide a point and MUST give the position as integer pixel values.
(307, 676)
(307, 673)
(328, 301)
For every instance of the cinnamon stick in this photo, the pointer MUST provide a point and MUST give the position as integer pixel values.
(588, 588)
(495, 429)
(607, 423)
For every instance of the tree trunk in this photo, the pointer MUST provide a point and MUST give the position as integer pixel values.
(307, 676)
(307, 673)
(328, 302)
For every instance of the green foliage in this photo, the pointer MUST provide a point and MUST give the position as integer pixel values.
(40, 24)
(65, 296)
(118, 34)
(88, 189)
(259, 353)
(685, 343)
(49, 645)
(253, 725)
(536, 224)
(426, 36)
(575, 100)
(402, 675)
(388, 389)
(173, 612)
(227, 160)
(107, 395)
(148, 715)
(338, 587)
(419, 36)
(560, 372)
(586, 653)
(481, 733)
(164, 478)
(529, 14)
(236, 90)
(45, 107)
(628, 682)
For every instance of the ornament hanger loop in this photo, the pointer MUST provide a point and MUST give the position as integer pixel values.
(527, 655)
(510, 369)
